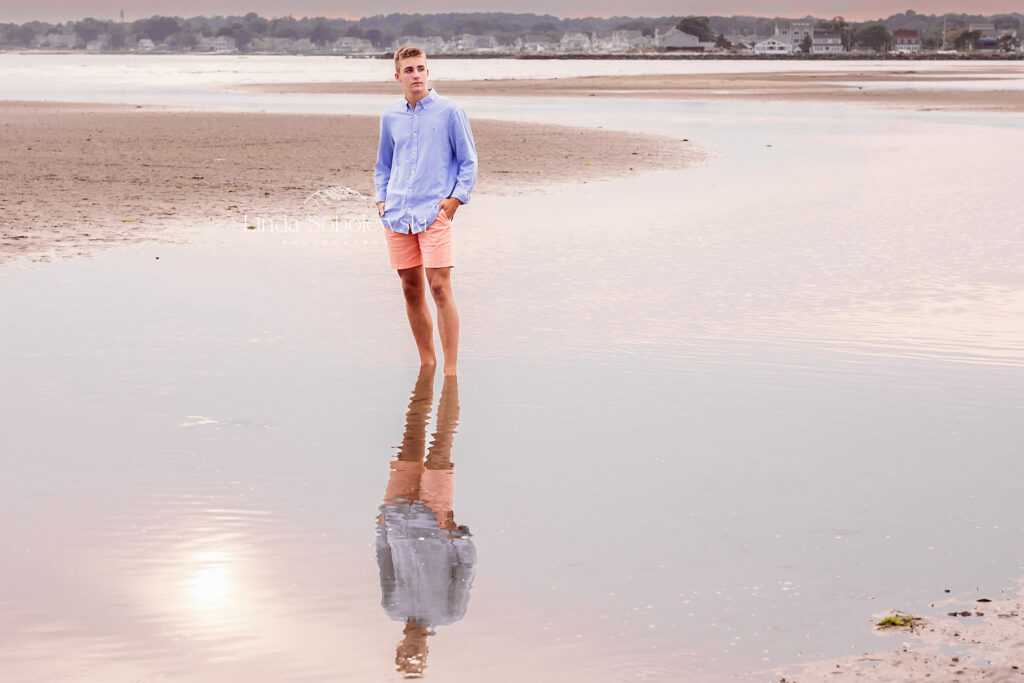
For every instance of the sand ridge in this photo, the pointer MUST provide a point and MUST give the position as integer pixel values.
(83, 176)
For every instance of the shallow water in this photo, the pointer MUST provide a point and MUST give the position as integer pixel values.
(710, 421)
(186, 79)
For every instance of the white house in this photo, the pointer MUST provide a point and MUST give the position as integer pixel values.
(906, 42)
(436, 44)
(637, 39)
(990, 38)
(534, 42)
(826, 42)
(431, 44)
(145, 45)
(221, 44)
(793, 31)
(575, 41)
(61, 40)
(467, 42)
(605, 42)
(619, 40)
(772, 46)
(674, 39)
(350, 45)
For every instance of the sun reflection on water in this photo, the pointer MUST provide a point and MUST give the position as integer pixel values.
(211, 585)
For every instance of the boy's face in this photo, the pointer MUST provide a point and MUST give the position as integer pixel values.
(412, 74)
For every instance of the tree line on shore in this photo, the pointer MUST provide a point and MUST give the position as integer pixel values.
(176, 33)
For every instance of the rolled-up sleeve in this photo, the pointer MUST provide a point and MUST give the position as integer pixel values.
(465, 155)
(385, 154)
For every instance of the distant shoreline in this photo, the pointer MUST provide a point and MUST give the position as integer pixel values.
(783, 86)
(657, 56)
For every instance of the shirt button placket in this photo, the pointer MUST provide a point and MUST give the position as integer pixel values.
(415, 144)
(412, 171)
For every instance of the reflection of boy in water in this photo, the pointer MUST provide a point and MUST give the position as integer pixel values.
(426, 562)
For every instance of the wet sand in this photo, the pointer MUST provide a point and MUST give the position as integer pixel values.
(975, 639)
(83, 176)
(811, 86)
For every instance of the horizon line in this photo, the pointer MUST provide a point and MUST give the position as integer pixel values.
(589, 16)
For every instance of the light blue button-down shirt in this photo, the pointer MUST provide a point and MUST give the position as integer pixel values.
(426, 154)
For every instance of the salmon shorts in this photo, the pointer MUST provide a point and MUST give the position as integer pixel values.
(431, 248)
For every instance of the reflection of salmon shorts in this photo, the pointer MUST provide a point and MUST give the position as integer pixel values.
(431, 248)
(411, 482)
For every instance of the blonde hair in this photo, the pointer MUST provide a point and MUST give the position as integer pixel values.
(407, 51)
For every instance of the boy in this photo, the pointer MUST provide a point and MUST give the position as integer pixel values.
(426, 168)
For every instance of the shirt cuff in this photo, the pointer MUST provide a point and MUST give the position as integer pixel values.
(461, 196)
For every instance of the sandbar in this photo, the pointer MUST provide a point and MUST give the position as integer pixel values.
(78, 177)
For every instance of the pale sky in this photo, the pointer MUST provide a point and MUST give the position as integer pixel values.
(19, 11)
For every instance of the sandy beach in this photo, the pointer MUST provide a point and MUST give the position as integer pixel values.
(975, 638)
(808, 86)
(85, 176)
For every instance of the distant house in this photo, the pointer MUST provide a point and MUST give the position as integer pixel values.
(102, 42)
(352, 45)
(772, 46)
(468, 42)
(261, 44)
(906, 42)
(674, 39)
(222, 44)
(431, 44)
(604, 41)
(989, 40)
(989, 37)
(793, 31)
(637, 39)
(66, 41)
(302, 45)
(575, 41)
(436, 44)
(534, 42)
(486, 43)
(826, 42)
(619, 40)
(145, 45)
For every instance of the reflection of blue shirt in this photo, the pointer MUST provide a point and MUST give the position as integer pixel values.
(425, 571)
(426, 154)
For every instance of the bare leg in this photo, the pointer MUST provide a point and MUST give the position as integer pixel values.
(437, 483)
(414, 438)
(447, 315)
(407, 470)
(419, 314)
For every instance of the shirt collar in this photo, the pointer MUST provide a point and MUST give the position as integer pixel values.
(425, 102)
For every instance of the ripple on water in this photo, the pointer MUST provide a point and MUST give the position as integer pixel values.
(633, 667)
